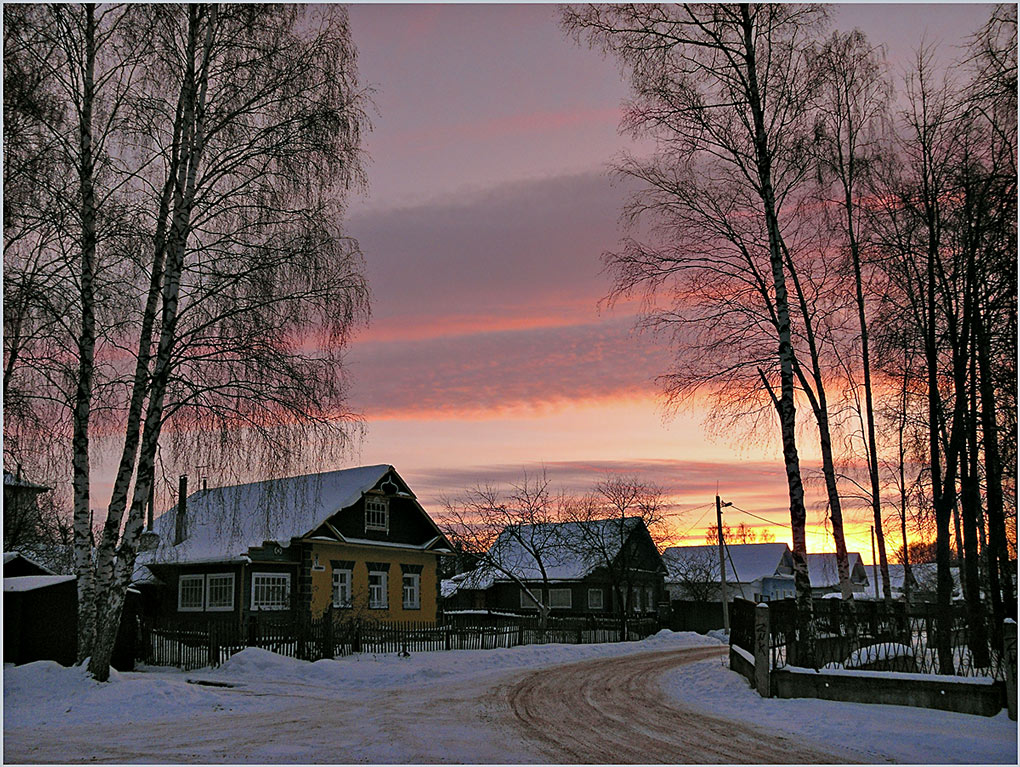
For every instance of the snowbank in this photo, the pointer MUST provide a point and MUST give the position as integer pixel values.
(45, 692)
(878, 732)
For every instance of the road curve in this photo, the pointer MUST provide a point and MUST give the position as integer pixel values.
(612, 711)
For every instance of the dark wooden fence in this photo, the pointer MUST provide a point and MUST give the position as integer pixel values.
(869, 634)
(190, 645)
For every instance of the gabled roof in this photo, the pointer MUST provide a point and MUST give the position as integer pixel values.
(224, 522)
(745, 562)
(11, 557)
(562, 556)
(822, 569)
(33, 582)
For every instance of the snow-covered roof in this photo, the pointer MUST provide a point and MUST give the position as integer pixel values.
(31, 582)
(10, 556)
(822, 568)
(480, 578)
(745, 562)
(570, 550)
(224, 522)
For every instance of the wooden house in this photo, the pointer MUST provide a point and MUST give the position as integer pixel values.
(356, 539)
(596, 567)
(754, 571)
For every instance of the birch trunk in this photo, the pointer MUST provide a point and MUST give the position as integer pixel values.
(86, 348)
(786, 407)
(116, 564)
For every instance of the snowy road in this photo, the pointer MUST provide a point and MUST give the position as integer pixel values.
(668, 698)
(612, 711)
(606, 710)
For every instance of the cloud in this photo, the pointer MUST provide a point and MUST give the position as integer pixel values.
(492, 372)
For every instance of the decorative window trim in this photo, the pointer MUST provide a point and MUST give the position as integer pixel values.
(349, 572)
(180, 593)
(412, 569)
(384, 603)
(601, 599)
(415, 580)
(274, 576)
(557, 595)
(209, 578)
(377, 513)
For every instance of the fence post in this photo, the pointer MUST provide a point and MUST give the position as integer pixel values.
(327, 633)
(1009, 661)
(762, 657)
(356, 645)
(252, 631)
(214, 648)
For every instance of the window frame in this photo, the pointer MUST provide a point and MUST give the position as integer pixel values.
(414, 604)
(191, 577)
(349, 573)
(384, 503)
(372, 603)
(209, 578)
(601, 599)
(527, 603)
(271, 575)
(649, 598)
(560, 591)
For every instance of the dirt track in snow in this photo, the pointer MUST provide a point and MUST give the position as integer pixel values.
(607, 710)
(612, 711)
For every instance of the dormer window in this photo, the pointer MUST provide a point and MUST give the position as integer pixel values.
(377, 513)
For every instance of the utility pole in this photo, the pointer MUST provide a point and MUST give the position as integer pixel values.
(722, 562)
(874, 563)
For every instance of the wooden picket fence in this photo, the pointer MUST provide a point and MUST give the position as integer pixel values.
(194, 645)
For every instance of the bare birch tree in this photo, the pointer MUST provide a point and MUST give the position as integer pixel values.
(513, 532)
(725, 92)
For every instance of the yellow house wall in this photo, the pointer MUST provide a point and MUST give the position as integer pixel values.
(322, 580)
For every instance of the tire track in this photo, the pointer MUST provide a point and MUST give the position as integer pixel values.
(612, 711)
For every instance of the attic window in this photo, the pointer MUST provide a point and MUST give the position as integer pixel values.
(377, 514)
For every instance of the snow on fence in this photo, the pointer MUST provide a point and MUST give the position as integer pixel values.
(194, 645)
(865, 634)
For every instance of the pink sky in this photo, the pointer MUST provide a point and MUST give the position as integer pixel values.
(488, 211)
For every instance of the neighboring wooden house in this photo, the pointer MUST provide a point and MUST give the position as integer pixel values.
(825, 577)
(356, 539)
(594, 567)
(755, 571)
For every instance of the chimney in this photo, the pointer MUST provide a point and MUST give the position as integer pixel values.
(205, 483)
(148, 513)
(181, 520)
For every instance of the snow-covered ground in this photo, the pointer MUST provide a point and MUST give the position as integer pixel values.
(44, 694)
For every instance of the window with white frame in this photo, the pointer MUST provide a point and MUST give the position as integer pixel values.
(377, 599)
(342, 588)
(527, 602)
(191, 593)
(559, 599)
(270, 591)
(635, 598)
(649, 598)
(219, 592)
(412, 591)
(595, 599)
(377, 513)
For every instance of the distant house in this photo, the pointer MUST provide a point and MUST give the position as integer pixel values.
(755, 571)
(822, 570)
(595, 567)
(17, 564)
(356, 539)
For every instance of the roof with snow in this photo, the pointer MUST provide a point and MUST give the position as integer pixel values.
(32, 566)
(224, 522)
(745, 562)
(32, 582)
(823, 571)
(569, 551)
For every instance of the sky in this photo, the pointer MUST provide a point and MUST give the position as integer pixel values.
(490, 352)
